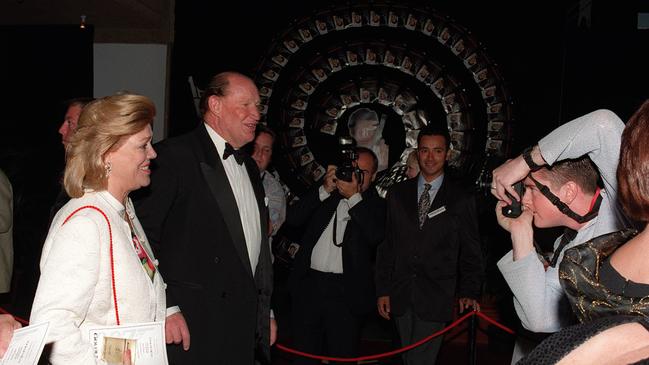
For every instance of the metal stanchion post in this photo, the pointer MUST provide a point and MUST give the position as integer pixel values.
(473, 328)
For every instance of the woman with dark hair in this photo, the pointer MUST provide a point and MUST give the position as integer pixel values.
(609, 274)
(607, 278)
(97, 268)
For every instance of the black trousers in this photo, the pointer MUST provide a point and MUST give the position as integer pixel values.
(412, 329)
(322, 321)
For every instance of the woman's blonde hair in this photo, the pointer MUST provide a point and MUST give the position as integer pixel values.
(412, 157)
(103, 126)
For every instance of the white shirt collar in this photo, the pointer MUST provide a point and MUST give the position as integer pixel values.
(218, 141)
(434, 185)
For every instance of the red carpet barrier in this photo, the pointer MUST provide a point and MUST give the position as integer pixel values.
(369, 357)
(398, 351)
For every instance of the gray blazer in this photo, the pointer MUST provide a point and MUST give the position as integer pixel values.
(539, 299)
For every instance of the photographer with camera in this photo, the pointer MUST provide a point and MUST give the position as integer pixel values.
(561, 177)
(332, 285)
(431, 255)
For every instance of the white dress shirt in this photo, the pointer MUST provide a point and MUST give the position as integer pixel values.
(434, 186)
(327, 257)
(244, 196)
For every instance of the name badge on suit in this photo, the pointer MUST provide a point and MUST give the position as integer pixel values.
(437, 211)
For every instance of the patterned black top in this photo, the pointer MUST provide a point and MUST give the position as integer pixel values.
(595, 289)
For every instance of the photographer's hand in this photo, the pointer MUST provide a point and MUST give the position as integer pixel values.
(521, 230)
(512, 171)
(329, 183)
(348, 188)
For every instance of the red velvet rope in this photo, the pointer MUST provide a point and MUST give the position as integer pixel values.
(370, 357)
(492, 321)
(398, 351)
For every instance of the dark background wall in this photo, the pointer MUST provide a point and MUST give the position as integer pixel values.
(40, 67)
(555, 69)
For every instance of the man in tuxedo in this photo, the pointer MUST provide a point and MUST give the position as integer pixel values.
(431, 253)
(206, 217)
(332, 284)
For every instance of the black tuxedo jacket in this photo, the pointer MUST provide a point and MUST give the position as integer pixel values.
(191, 218)
(427, 269)
(362, 234)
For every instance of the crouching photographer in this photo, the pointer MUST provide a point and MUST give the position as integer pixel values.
(332, 283)
(561, 175)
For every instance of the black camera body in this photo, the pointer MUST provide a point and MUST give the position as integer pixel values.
(346, 167)
(515, 209)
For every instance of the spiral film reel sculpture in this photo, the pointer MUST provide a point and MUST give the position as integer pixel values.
(380, 72)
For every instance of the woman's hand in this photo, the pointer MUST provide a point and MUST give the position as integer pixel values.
(7, 327)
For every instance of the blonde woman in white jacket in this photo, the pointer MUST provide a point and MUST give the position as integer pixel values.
(97, 268)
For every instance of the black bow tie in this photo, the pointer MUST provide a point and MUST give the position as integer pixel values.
(238, 154)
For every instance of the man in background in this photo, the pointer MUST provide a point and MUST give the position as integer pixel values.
(431, 254)
(67, 128)
(263, 155)
(332, 284)
(71, 118)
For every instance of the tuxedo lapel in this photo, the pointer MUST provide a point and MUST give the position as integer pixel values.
(217, 180)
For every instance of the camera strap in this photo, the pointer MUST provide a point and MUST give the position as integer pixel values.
(563, 207)
(567, 237)
(333, 235)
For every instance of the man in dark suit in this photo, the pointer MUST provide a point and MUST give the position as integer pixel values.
(206, 217)
(431, 239)
(67, 128)
(332, 283)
